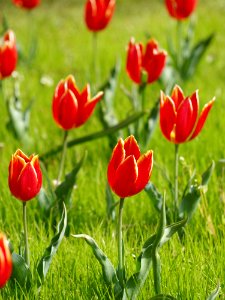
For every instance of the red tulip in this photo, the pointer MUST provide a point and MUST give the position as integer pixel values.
(5, 261)
(25, 177)
(72, 108)
(152, 61)
(179, 116)
(27, 4)
(8, 54)
(98, 13)
(128, 170)
(180, 9)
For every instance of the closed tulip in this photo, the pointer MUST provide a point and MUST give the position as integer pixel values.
(8, 54)
(71, 108)
(25, 177)
(180, 9)
(180, 120)
(98, 13)
(5, 261)
(27, 4)
(128, 170)
(151, 60)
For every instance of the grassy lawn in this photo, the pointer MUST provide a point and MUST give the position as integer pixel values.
(190, 270)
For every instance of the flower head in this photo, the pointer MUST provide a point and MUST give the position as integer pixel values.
(180, 9)
(128, 170)
(180, 120)
(25, 177)
(5, 261)
(27, 4)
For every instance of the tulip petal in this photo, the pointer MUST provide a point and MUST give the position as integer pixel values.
(177, 96)
(16, 165)
(125, 177)
(167, 115)
(117, 158)
(134, 61)
(131, 147)
(145, 164)
(70, 84)
(203, 116)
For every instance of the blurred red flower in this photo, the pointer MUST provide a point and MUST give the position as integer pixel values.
(180, 9)
(180, 120)
(128, 170)
(27, 4)
(98, 13)
(8, 54)
(70, 107)
(152, 61)
(25, 177)
(5, 261)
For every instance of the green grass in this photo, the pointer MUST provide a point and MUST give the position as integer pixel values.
(190, 270)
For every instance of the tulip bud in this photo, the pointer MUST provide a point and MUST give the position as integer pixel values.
(5, 261)
(27, 4)
(128, 170)
(25, 177)
(8, 54)
(180, 9)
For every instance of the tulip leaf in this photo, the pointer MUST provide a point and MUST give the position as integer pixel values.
(191, 200)
(108, 271)
(21, 273)
(155, 196)
(214, 293)
(50, 251)
(162, 297)
(190, 64)
(96, 135)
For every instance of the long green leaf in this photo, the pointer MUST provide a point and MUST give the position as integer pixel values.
(50, 251)
(214, 294)
(21, 273)
(108, 271)
(96, 135)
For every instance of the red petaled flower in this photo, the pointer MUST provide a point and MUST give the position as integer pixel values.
(5, 261)
(98, 13)
(152, 61)
(27, 4)
(25, 177)
(180, 120)
(128, 170)
(72, 108)
(180, 9)
(8, 54)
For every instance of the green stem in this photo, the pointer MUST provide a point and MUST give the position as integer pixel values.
(179, 45)
(156, 272)
(63, 156)
(176, 169)
(120, 245)
(26, 254)
(95, 56)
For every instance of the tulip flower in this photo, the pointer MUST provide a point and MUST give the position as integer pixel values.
(8, 54)
(25, 177)
(26, 4)
(98, 13)
(152, 61)
(5, 261)
(180, 120)
(180, 9)
(71, 108)
(128, 170)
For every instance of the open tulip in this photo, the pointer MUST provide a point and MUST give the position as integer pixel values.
(27, 4)
(152, 61)
(8, 54)
(98, 13)
(180, 9)
(72, 108)
(180, 120)
(128, 170)
(25, 177)
(5, 261)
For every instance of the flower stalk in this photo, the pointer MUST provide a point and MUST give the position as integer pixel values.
(26, 252)
(63, 155)
(120, 244)
(176, 172)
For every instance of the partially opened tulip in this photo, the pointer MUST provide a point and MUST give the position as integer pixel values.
(180, 120)
(98, 13)
(71, 107)
(5, 261)
(8, 54)
(152, 61)
(180, 9)
(26, 4)
(128, 170)
(25, 177)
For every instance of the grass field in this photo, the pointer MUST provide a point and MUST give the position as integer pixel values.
(190, 270)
